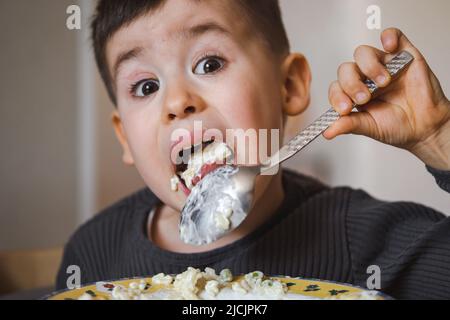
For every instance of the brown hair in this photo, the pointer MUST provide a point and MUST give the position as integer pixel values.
(111, 15)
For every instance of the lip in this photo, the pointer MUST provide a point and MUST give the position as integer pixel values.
(182, 142)
(185, 189)
(174, 143)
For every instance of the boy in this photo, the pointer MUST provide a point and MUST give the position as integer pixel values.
(168, 63)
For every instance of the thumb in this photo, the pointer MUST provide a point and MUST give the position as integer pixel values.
(361, 123)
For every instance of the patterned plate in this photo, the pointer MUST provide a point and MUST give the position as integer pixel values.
(309, 288)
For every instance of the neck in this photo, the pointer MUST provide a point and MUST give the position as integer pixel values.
(269, 195)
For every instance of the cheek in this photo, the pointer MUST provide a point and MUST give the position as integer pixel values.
(252, 106)
(153, 165)
(249, 109)
(253, 99)
(139, 133)
(142, 141)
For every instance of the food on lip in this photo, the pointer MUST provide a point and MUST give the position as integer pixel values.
(201, 162)
(174, 181)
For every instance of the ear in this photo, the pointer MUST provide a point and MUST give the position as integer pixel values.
(127, 157)
(296, 84)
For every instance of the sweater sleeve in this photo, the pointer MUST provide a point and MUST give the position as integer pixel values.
(442, 178)
(407, 242)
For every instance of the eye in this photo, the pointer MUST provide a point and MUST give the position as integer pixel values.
(209, 65)
(145, 88)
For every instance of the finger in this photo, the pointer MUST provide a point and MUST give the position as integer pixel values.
(350, 79)
(394, 40)
(360, 123)
(339, 100)
(369, 61)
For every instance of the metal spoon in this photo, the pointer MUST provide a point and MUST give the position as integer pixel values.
(241, 184)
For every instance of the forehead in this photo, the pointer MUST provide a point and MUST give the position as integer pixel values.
(171, 23)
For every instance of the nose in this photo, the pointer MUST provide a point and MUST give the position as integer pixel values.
(180, 102)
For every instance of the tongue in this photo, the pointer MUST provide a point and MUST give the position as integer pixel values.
(204, 170)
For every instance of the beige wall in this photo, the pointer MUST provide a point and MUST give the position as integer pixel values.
(37, 124)
(42, 123)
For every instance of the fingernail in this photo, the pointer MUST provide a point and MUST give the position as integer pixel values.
(381, 80)
(361, 97)
(388, 43)
(343, 106)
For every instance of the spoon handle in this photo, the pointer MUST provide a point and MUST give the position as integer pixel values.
(301, 140)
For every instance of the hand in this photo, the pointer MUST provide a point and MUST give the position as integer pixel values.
(411, 113)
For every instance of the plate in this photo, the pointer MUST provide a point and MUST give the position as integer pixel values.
(310, 289)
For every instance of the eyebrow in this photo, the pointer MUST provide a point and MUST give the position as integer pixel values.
(126, 56)
(188, 33)
(200, 29)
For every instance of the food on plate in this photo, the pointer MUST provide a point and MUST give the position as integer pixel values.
(194, 284)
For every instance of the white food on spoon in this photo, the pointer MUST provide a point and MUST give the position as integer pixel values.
(222, 219)
(211, 209)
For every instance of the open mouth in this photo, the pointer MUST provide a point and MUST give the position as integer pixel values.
(197, 161)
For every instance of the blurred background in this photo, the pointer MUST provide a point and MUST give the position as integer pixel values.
(60, 161)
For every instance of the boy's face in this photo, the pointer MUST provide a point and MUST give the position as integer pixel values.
(189, 61)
